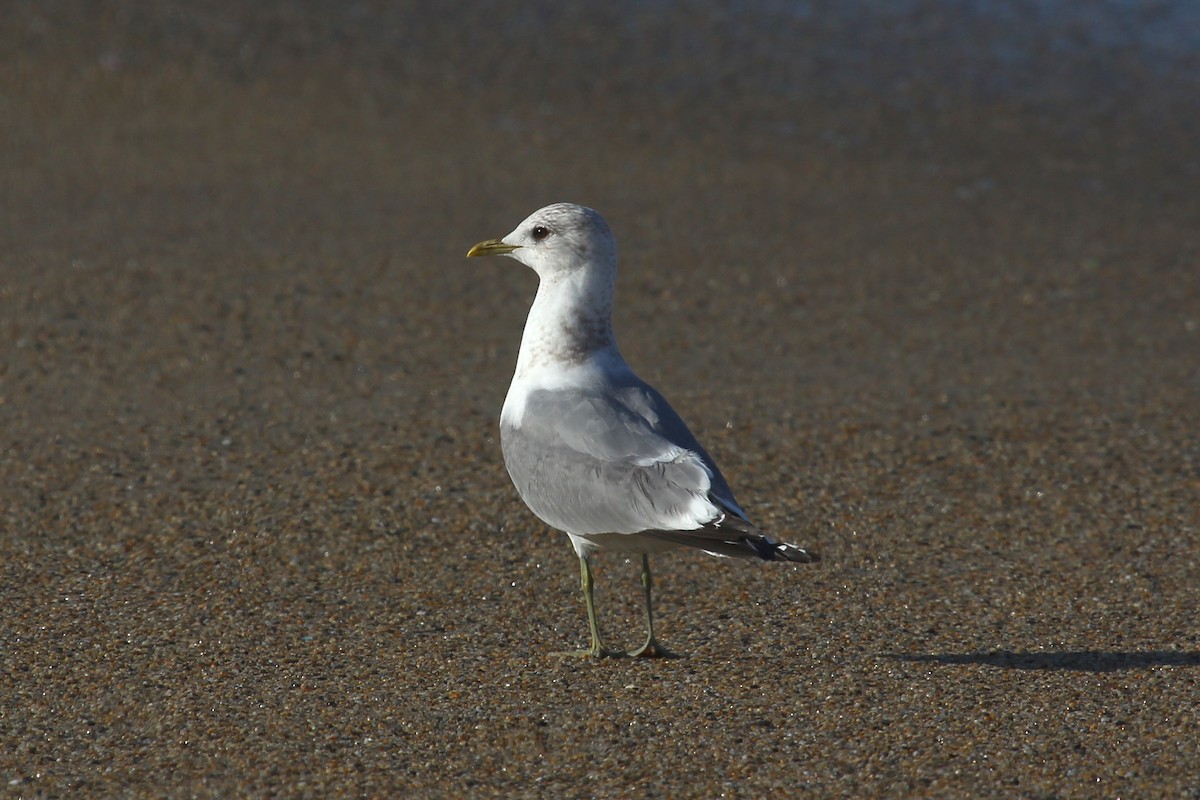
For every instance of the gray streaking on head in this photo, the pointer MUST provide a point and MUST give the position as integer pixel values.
(593, 450)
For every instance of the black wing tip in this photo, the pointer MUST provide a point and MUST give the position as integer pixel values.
(782, 551)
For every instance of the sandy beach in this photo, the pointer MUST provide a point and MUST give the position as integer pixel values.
(926, 283)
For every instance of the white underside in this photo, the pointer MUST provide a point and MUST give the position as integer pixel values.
(632, 543)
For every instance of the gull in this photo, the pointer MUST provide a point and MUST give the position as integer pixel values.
(593, 450)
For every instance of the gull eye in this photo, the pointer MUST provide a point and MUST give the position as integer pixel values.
(540, 232)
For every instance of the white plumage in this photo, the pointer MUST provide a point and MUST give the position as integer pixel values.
(592, 449)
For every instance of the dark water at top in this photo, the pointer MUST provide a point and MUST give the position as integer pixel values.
(1028, 51)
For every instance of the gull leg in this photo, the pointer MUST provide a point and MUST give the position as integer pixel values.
(651, 649)
(596, 650)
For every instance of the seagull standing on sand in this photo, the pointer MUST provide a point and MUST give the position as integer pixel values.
(593, 450)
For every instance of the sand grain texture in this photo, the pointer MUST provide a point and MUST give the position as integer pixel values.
(939, 275)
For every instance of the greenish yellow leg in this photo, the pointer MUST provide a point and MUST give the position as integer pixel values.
(597, 650)
(651, 649)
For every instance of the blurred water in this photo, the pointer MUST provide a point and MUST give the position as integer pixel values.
(1032, 50)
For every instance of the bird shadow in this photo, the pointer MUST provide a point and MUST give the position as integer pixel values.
(1065, 660)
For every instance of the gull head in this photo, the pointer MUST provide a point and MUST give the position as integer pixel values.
(556, 241)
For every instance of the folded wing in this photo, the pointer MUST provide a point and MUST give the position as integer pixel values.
(620, 460)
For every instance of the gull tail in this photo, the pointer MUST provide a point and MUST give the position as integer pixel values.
(756, 543)
(736, 537)
(782, 551)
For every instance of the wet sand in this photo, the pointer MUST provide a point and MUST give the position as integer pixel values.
(929, 291)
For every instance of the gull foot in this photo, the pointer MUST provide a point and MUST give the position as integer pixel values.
(652, 649)
(591, 652)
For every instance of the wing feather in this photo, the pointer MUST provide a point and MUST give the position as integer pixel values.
(613, 460)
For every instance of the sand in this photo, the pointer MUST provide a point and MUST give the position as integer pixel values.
(925, 282)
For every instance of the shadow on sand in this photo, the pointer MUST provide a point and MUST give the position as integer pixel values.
(1073, 660)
